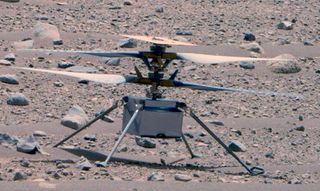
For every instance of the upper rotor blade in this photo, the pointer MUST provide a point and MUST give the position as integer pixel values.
(196, 86)
(94, 53)
(214, 59)
(159, 40)
(101, 78)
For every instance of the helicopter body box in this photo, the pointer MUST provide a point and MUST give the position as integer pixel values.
(158, 118)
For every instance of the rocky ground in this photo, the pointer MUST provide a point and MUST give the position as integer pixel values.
(279, 133)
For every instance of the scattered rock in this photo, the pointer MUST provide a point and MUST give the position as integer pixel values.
(246, 65)
(185, 33)
(9, 79)
(75, 118)
(46, 31)
(249, 36)
(113, 62)
(253, 47)
(10, 57)
(159, 9)
(299, 128)
(19, 176)
(217, 122)
(236, 146)
(65, 65)
(24, 163)
(57, 42)
(27, 145)
(39, 134)
(295, 181)
(288, 66)
(127, 43)
(156, 176)
(18, 99)
(127, 2)
(183, 178)
(90, 137)
(285, 25)
(84, 164)
(5, 63)
(145, 142)
(269, 155)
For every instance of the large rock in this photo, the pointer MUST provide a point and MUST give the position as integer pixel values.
(5, 62)
(9, 79)
(46, 31)
(84, 164)
(182, 177)
(285, 67)
(75, 118)
(18, 99)
(82, 69)
(145, 142)
(156, 176)
(27, 145)
(285, 25)
(11, 1)
(10, 57)
(236, 146)
(127, 43)
(5, 138)
(253, 47)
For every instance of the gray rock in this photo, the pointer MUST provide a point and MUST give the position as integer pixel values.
(9, 79)
(249, 36)
(183, 178)
(65, 65)
(190, 68)
(127, 43)
(89, 137)
(24, 163)
(295, 181)
(39, 134)
(145, 142)
(127, 2)
(299, 128)
(18, 99)
(123, 148)
(5, 138)
(217, 122)
(46, 31)
(185, 33)
(285, 25)
(19, 176)
(57, 42)
(253, 47)
(159, 9)
(236, 146)
(27, 145)
(156, 176)
(84, 164)
(41, 17)
(5, 63)
(246, 65)
(269, 155)
(10, 57)
(58, 83)
(287, 66)
(75, 118)
(113, 62)
(308, 43)
(82, 69)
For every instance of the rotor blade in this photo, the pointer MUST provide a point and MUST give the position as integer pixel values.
(159, 40)
(101, 78)
(93, 53)
(196, 86)
(214, 59)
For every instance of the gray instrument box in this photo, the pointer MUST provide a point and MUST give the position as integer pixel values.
(157, 118)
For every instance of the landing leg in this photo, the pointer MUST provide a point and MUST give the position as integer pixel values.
(188, 147)
(105, 163)
(252, 170)
(100, 116)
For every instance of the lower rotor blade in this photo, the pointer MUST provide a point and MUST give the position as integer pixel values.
(196, 86)
(93, 53)
(101, 78)
(214, 59)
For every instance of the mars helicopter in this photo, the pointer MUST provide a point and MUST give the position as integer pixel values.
(153, 116)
